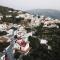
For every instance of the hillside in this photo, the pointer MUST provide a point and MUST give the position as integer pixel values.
(45, 12)
(4, 10)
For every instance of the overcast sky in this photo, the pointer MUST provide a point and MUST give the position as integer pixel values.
(31, 4)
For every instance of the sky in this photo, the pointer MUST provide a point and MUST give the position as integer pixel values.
(31, 4)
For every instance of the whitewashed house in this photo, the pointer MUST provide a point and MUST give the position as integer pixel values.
(27, 16)
(15, 25)
(10, 25)
(21, 31)
(25, 36)
(48, 18)
(17, 16)
(19, 12)
(35, 22)
(3, 27)
(43, 41)
(21, 15)
(9, 11)
(57, 21)
(42, 17)
(10, 33)
(49, 47)
(8, 16)
(50, 24)
(1, 16)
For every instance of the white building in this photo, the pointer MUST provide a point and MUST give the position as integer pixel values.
(19, 12)
(50, 24)
(15, 25)
(35, 22)
(17, 16)
(43, 41)
(21, 31)
(48, 18)
(3, 27)
(8, 16)
(1, 17)
(42, 17)
(10, 32)
(20, 15)
(49, 47)
(10, 11)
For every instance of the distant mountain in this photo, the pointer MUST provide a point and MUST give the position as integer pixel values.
(45, 12)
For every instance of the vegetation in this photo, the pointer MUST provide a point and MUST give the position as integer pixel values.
(3, 33)
(39, 51)
(5, 11)
(52, 35)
